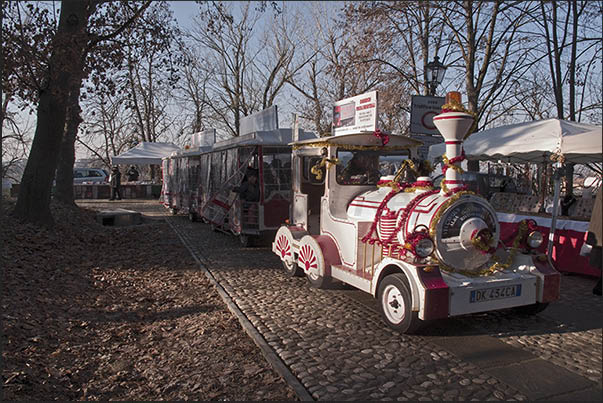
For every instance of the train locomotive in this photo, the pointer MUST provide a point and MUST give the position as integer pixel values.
(424, 253)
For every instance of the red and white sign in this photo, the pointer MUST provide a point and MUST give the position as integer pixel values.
(356, 114)
(422, 111)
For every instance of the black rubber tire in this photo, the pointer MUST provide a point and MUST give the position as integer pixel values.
(320, 282)
(293, 271)
(531, 309)
(192, 216)
(391, 289)
(246, 240)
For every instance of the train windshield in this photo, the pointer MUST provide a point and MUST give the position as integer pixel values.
(366, 167)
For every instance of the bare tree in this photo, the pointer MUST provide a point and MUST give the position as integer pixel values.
(193, 93)
(59, 61)
(333, 67)
(151, 71)
(572, 37)
(33, 203)
(16, 140)
(246, 66)
(108, 128)
(101, 51)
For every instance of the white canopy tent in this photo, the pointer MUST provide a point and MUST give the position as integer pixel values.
(145, 153)
(535, 142)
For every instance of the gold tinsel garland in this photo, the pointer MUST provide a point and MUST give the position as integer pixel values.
(348, 147)
(438, 215)
(498, 265)
(315, 170)
(447, 163)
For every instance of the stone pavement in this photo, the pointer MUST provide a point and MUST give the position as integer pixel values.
(332, 344)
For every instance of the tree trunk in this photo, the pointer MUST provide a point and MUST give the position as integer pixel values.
(64, 177)
(33, 202)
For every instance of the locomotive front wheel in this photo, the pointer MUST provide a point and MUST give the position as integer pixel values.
(292, 269)
(395, 304)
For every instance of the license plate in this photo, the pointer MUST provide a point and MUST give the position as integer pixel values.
(489, 294)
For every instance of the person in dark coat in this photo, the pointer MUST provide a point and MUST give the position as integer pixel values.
(132, 174)
(249, 190)
(115, 182)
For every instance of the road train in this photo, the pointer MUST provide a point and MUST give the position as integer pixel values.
(424, 253)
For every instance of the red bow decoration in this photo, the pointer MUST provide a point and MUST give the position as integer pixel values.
(382, 136)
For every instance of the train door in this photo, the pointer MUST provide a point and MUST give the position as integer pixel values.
(308, 189)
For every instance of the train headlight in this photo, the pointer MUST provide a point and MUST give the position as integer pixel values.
(535, 239)
(424, 247)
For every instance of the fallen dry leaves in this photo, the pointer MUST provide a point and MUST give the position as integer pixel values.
(118, 313)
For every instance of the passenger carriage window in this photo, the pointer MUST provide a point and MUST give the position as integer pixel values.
(276, 170)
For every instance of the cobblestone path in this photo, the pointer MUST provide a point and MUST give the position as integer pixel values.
(336, 345)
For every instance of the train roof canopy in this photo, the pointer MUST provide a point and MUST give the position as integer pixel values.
(278, 137)
(368, 140)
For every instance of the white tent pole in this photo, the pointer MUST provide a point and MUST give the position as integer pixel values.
(557, 178)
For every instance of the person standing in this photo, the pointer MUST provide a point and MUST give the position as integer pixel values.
(115, 182)
(249, 191)
(132, 174)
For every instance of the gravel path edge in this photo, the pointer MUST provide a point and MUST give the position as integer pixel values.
(269, 354)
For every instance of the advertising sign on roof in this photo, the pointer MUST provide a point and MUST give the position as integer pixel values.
(266, 120)
(356, 114)
(206, 138)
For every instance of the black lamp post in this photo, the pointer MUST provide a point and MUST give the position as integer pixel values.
(435, 74)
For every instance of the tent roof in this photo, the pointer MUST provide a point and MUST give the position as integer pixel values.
(533, 142)
(145, 153)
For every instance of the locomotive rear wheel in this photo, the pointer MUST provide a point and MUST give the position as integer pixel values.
(395, 304)
(292, 269)
(318, 281)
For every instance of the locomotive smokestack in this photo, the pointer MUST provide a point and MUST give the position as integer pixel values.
(453, 123)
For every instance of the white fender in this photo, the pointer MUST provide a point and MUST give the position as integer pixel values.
(283, 245)
(408, 270)
(310, 257)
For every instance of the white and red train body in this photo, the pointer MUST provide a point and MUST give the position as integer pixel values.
(424, 253)
(201, 183)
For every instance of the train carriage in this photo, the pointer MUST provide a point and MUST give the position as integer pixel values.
(424, 253)
(204, 183)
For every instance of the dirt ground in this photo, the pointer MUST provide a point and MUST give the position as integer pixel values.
(118, 313)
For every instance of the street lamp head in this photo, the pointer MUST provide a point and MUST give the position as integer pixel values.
(435, 74)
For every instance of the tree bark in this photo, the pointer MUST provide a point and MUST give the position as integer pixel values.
(33, 202)
(64, 177)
